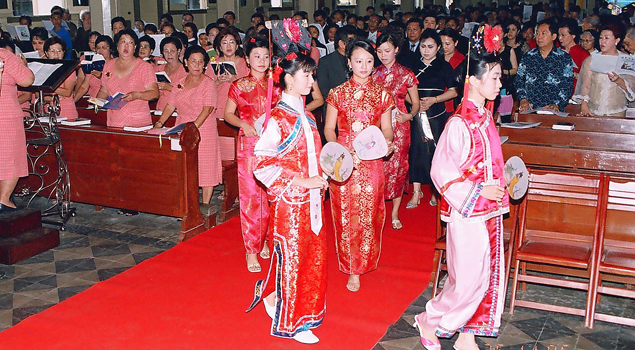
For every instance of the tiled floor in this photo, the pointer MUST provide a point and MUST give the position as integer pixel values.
(530, 329)
(99, 245)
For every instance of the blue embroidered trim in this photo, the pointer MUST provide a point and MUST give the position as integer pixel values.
(472, 201)
(292, 136)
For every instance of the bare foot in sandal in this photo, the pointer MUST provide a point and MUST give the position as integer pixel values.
(252, 263)
(353, 283)
(264, 253)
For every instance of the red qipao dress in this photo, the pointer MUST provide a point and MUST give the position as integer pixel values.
(357, 205)
(189, 103)
(397, 79)
(289, 147)
(250, 96)
(13, 162)
(133, 113)
(226, 144)
(468, 156)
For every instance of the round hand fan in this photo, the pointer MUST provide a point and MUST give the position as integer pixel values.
(370, 144)
(516, 177)
(336, 161)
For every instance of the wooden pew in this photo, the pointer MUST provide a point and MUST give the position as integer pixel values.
(136, 171)
(230, 168)
(597, 124)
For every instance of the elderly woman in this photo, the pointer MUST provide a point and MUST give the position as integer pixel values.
(55, 48)
(13, 162)
(605, 93)
(91, 83)
(194, 96)
(171, 48)
(133, 77)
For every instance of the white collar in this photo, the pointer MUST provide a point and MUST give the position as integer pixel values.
(480, 107)
(297, 103)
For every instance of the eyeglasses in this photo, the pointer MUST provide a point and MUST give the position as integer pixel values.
(586, 40)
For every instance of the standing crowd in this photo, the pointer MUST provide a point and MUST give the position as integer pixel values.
(401, 72)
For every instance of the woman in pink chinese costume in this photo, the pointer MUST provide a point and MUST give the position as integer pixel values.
(248, 99)
(467, 170)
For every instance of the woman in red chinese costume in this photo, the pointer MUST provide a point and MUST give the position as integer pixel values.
(288, 165)
(248, 97)
(357, 204)
(467, 169)
(402, 82)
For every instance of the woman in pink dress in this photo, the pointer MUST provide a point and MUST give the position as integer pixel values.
(171, 48)
(13, 162)
(358, 205)
(55, 48)
(248, 97)
(194, 97)
(134, 78)
(401, 82)
(227, 44)
(294, 291)
(89, 84)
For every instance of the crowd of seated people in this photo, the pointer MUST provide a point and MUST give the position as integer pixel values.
(549, 59)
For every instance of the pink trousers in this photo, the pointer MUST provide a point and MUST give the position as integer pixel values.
(254, 205)
(473, 298)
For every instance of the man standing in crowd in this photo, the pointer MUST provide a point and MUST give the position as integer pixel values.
(320, 18)
(430, 21)
(373, 27)
(187, 18)
(414, 28)
(63, 33)
(545, 74)
(81, 40)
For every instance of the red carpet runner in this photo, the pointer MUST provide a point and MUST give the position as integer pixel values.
(194, 296)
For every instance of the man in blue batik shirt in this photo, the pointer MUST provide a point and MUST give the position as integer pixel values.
(545, 74)
(63, 33)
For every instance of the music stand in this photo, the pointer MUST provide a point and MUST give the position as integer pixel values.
(43, 141)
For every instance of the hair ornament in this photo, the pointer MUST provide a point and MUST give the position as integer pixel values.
(292, 29)
(291, 56)
(492, 38)
(252, 40)
(276, 74)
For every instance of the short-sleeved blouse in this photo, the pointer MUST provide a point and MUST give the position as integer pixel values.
(223, 89)
(189, 103)
(396, 79)
(14, 72)
(178, 75)
(67, 104)
(134, 113)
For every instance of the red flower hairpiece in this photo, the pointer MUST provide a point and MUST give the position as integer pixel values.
(292, 29)
(291, 56)
(276, 74)
(492, 38)
(252, 40)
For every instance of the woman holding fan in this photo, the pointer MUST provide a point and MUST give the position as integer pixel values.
(467, 170)
(357, 204)
(248, 97)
